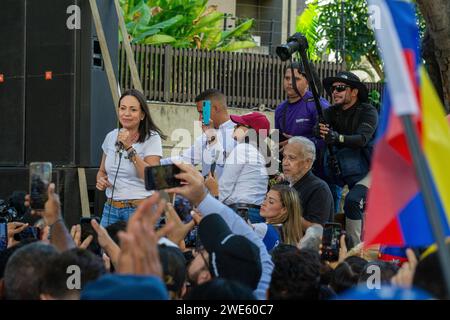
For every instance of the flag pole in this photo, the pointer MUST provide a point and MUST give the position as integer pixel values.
(426, 186)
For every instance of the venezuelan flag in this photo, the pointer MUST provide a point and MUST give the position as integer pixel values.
(396, 212)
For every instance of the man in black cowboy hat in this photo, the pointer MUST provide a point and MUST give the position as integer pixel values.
(350, 128)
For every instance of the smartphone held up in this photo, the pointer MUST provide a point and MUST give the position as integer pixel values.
(161, 177)
(40, 178)
(206, 112)
(331, 241)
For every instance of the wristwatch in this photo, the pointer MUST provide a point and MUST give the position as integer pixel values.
(341, 138)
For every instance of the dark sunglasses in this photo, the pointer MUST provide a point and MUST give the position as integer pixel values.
(339, 88)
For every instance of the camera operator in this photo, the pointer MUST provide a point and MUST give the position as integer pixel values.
(350, 128)
(297, 115)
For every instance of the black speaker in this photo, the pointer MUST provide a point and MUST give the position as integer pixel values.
(12, 83)
(55, 92)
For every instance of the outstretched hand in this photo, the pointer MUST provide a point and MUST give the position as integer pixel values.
(193, 185)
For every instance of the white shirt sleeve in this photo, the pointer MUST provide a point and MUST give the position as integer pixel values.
(192, 155)
(153, 146)
(109, 141)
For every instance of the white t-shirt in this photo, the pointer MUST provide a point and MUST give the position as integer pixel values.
(244, 178)
(128, 185)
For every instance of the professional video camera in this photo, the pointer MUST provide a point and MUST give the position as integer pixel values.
(295, 43)
(298, 43)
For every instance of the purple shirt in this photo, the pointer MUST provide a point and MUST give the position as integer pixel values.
(301, 117)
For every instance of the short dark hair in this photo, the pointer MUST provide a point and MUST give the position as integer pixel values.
(220, 289)
(211, 94)
(344, 278)
(296, 275)
(25, 269)
(282, 248)
(146, 127)
(7, 253)
(174, 269)
(54, 280)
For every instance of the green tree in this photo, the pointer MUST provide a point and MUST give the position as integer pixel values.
(321, 23)
(183, 24)
(325, 32)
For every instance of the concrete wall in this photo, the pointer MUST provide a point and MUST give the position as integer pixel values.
(177, 121)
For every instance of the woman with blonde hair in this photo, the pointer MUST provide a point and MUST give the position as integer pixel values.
(283, 213)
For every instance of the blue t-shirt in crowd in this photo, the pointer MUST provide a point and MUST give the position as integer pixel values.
(300, 118)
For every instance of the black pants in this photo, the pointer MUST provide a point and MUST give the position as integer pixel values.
(355, 202)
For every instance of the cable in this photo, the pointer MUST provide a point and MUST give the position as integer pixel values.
(113, 187)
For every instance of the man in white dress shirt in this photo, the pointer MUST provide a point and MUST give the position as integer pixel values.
(215, 146)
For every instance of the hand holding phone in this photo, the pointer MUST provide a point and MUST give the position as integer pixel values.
(161, 177)
(331, 241)
(40, 178)
(28, 233)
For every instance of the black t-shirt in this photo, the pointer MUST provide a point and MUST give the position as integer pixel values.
(316, 199)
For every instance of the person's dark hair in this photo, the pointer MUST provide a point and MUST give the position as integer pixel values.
(55, 277)
(387, 271)
(296, 275)
(25, 269)
(220, 289)
(343, 278)
(6, 254)
(146, 126)
(211, 94)
(347, 274)
(113, 230)
(174, 269)
(282, 248)
(428, 276)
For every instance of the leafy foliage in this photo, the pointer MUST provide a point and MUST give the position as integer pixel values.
(183, 24)
(321, 24)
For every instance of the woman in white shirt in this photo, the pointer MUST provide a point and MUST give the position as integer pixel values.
(126, 153)
(243, 184)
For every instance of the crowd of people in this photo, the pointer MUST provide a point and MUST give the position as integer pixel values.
(235, 229)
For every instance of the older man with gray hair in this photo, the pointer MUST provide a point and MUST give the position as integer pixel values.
(315, 195)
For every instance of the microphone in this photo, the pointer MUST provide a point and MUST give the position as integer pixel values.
(119, 146)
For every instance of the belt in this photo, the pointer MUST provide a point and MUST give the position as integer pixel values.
(244, 206)
(124, 203)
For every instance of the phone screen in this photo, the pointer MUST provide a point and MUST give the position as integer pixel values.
(330, 241)
(40, 178)
(206, 113)
(161, 177)
(28, 233)
(3, 234)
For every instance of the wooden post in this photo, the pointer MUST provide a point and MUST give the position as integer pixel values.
(85, 210)
(137, 84)
(105, 53)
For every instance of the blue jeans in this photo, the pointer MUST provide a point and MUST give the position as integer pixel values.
(116, 214)
(336, 191)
